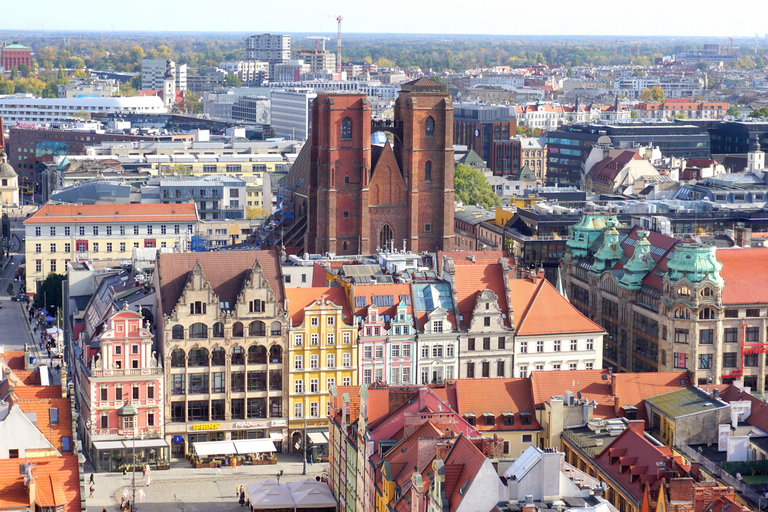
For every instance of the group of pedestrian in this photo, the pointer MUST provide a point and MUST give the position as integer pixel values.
(240, 493)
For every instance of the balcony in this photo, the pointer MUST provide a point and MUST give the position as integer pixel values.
(126, 372)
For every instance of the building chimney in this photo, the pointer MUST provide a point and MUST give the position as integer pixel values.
(529, 506)
(638, 426)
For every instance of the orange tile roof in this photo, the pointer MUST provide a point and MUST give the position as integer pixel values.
(589, 382)
(496, 396)
(742, 268)
(539, 309)
(409, 453)
(300, 298)
(57, 482)
(463, 257)
(14, 359)
(473, 279)
(51, 213)
(40, 400)
(354, 401)
(634, 388)
(225, 271)
(466, 455)
(378, 404)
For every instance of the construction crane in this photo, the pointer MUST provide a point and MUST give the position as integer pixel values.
(616, 49)
(338, 19)
(319, 38)
(729, 37)
(630, 49)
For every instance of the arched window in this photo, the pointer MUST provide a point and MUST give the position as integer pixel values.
(428, 171)
(706, 292)
(238, 355)
(218, 330)
(707, 314)
(346, 129)
(257, 328)
(386, 236)
(178, 358)
(275, 329)
(275, 354)
(198, 330)
(178, 332)
(429, 127)
(257, 354)
(683, 313)
(218, 357)
(198, 357)
(237, 330)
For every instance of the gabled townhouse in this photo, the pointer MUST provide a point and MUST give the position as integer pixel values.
(481, 298)
(322, 353)
(221, 331)
(119, 366)
(437, 334)
(387, 336)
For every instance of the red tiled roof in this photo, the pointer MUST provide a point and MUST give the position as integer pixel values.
(742, 268)
(466, 455)
(473, 279)
(14, 359)
(57, 483)
(410, 453)
(464, 257)
(225, 271)
(300, 298)
(496, 396)
(590, 382)
(51, 213)
(758, 416)
(41, 407)
(608, 168)
(539, 309)
(354, 400)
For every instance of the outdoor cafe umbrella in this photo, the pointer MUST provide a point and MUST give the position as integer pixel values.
(50, 319)
(43, 311)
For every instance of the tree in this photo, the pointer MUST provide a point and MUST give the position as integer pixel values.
(179, 169)
(50, 290)
(646, 94)
(81, 73)
(256, 212)
(680, 115)
(733, 110)
(471, 187)
(232, 81)
(657, 93)
(702, 66)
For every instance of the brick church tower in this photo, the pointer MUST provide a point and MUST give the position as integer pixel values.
(363, 197)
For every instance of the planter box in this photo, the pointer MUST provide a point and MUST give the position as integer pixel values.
(163, 466)
(197, 465)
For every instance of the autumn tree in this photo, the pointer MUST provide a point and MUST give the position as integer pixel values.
(256, 212)
(471, 188)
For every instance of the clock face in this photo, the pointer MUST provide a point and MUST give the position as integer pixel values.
(477, 132)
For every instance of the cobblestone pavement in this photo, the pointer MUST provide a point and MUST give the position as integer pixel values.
(186, 489)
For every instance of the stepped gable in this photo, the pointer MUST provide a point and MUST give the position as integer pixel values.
(225, 271)
(471, 280)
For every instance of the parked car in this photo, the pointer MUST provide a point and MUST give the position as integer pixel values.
(20, 298)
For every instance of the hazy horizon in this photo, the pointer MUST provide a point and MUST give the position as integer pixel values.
(397, 17)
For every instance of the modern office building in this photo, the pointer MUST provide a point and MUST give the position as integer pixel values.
(290, 113)
(153, 74)
(24, 108)
(216, 197)
(271, 48)
(488, 130)
(569, 147)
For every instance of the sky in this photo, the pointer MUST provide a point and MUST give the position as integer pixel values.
(499, 17)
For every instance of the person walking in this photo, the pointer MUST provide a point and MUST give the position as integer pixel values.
(91, 481)
(242, 498)
(218, 468)
(92, 489)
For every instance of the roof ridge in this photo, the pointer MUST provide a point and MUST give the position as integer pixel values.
(529, 306)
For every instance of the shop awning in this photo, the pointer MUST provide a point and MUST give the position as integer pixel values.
(147, 443)
(209, 448)
(254, 446)
(108, 445)
(276, 436)
(317, 438)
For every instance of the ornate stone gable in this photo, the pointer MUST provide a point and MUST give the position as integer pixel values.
(639, 264)
(610, 251)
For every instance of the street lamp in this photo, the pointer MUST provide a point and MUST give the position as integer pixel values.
(125, 412)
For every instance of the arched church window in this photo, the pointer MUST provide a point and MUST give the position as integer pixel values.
(346, 129)
(429, 127)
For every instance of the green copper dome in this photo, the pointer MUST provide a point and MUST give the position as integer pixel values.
(641, 262)
(585, 232)
(696, 263)
(610, 250)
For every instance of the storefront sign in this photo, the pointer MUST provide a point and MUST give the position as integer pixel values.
(279, 423)
(250, 424)
(210, 426)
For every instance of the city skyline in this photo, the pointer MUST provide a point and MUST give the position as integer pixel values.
(670, 19)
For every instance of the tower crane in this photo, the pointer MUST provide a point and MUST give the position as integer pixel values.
(319, 38)
(630, 49)
(338, 19)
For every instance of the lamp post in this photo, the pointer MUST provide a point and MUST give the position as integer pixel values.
(304, 442)
(129, 411)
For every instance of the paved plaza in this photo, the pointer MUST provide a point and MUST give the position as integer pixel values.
(186, 489)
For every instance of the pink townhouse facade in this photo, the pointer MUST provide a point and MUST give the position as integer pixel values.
(119, 367)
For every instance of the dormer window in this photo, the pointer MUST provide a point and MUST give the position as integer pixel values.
(509, 419)
(490, 419)
(525, 418)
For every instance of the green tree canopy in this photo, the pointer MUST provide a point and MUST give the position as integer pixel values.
(733, 110)
(50, 290)
(471, 187)
(232, 81)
